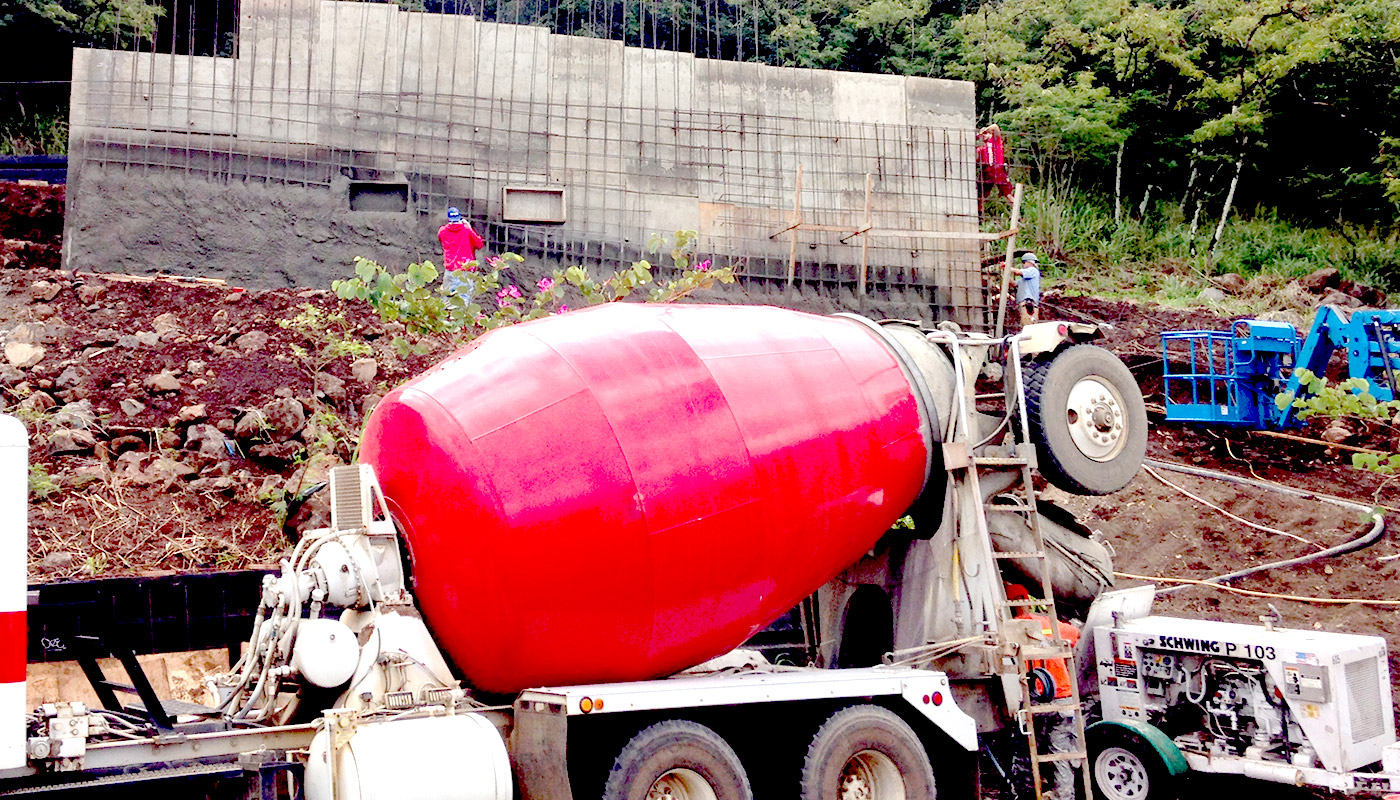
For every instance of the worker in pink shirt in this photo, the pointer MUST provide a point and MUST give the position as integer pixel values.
(459, 246)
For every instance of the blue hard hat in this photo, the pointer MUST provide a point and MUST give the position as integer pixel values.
(453, 215)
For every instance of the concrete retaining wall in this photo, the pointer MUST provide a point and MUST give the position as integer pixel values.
(244, 167)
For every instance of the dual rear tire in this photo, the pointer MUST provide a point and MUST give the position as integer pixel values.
(866, 752)
(862, 752)
(677, 760)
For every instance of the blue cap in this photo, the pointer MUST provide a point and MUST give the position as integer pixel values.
(453, 215)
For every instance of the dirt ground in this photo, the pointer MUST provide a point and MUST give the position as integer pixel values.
(101, 519)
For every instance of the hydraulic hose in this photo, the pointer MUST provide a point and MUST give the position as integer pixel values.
(1365, 540)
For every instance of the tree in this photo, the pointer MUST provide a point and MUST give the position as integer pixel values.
(84, 23)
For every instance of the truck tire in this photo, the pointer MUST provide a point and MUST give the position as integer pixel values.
(866, 753)
(1127, 768)
(1087, 420)
(677, 760)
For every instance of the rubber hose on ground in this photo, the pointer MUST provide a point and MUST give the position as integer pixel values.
(1365, 540)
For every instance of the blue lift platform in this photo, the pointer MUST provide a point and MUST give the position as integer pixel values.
(1234, 377)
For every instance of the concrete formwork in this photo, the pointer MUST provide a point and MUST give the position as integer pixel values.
(245, 167)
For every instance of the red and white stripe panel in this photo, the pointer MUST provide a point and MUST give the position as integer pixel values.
(14, 537)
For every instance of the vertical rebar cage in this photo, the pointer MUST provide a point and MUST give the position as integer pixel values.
(297, 134)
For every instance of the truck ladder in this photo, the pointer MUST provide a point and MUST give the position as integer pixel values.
(1033, 705)
(1022, 495)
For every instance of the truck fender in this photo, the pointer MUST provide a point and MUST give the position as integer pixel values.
(1171, 755)
(1040, 338)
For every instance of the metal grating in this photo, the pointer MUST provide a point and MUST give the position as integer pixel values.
(1364, 699)
(347, 504)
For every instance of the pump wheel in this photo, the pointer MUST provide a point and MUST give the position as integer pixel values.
(1127, 768)
(677, 760)
(1087, 420)
(866, 753)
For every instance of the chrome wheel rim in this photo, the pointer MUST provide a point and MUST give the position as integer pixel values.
(681, 784)
(1094, 414)
(871, 775)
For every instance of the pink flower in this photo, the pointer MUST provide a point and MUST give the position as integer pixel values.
(545, 284)
(703, 266)
(507, 294)
(563, 308)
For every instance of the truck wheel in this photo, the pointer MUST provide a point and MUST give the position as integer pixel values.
(866, 753)
(1087, 420)
(677, 760)
(1127, 768)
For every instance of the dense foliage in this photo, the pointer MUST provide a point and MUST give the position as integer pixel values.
(1208, 105)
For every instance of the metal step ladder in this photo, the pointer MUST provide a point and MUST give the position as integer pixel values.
(1028, 656)
(1021, 647)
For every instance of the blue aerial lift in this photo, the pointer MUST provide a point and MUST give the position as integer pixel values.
(1234, 377)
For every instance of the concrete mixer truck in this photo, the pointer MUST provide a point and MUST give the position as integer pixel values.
(538, 573)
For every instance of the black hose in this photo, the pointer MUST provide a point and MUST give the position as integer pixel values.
(1365, 540)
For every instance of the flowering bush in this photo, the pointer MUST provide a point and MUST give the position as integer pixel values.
(486, 297)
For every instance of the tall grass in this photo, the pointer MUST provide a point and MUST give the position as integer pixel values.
(43, 132)
(1155, 257)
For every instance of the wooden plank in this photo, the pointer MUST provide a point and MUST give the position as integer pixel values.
(796, 226)
(1010, 254)
(123, 278)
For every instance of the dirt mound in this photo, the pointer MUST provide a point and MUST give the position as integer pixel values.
(31, 225)
(173, 422)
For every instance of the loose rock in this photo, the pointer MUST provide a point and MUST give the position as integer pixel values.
(44, 291)
(1320, 280)
(364, 370)
(252, 341)
(331, 387)
(206, 440)
(79, 414)
(1231, 282)
(1210, 294)
(166, 325)
(31, 332)
(194, 413)
(69, 440)
(162, 383)
(23, 355)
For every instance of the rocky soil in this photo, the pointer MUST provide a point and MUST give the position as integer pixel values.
(172, 422)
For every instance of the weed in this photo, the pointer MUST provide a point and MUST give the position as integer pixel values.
(489, 299)
(41, 483)
(35, 133)
(1351, 400)
(330, 335)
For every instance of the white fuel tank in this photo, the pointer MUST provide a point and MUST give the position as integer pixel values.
(460, 757)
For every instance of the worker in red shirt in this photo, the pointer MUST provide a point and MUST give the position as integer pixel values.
(1058, 726)
(459, 246)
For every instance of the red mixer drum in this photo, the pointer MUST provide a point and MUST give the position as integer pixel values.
(622, 492)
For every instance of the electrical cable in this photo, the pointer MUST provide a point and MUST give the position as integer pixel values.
(1235, 517)
(1297, 598)
(1367, 539)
